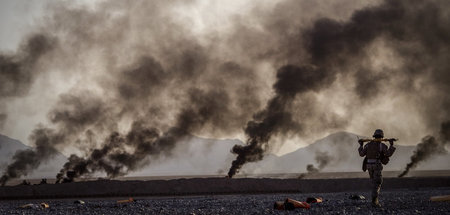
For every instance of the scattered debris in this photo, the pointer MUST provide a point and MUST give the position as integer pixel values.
(290, 204)
(81, 202)
(314, 200)
(440, 198)
(29, 206)
(125, 200)
(35, 206)
(278, 205)
(357, 197)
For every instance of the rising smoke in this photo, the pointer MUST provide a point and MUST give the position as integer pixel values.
(71, 114)
(276, 118)
(166, 93)
(18, 71)
(142, 78)
(428, 147)
(24, 160)
(342, 47)
(120, 154)
(322, 158)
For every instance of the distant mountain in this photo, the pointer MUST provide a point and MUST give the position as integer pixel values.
(201, 156)
(8, 148)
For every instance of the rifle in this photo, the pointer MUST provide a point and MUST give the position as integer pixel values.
(377, 139)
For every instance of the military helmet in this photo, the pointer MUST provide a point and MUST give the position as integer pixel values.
(378, 133)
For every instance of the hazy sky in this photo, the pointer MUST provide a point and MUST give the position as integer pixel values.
(115, 85)
(16, 19)
(209, 22)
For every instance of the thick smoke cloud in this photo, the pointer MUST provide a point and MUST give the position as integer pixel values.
(115, 158)
(165, 92)
(141, 78)
(341, 48)
(18, 71)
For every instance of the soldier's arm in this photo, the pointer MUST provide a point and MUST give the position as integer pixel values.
(388, 152)
(362, 150)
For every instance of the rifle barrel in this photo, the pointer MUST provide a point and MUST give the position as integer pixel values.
(379, 139)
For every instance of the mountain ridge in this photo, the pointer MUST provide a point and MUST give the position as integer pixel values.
(206, 156)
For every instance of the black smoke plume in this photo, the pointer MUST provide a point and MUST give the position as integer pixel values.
(276, 118)
(322, 159)
(121, 154)
(336, 47)
(72, 115)
(428, 147)
(24, 160)
(311, 169)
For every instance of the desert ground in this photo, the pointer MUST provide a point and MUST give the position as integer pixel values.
(401, 201)
(246, 194)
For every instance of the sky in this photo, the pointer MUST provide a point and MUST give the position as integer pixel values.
(17, 17)
(115, 85)
(223, 31)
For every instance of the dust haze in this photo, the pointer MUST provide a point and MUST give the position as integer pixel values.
(128, 80)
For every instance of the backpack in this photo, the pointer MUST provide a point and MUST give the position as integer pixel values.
(384, 159)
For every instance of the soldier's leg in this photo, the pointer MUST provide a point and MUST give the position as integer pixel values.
(377, 180)
(371, 169)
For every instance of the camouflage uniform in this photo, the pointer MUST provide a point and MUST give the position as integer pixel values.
(372, 152)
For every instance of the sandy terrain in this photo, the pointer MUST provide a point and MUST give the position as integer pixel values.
(249, 194)
(400, 201)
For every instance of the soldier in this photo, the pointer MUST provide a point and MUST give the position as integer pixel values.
(374, 152)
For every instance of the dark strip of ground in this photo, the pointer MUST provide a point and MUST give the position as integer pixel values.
(210, 186)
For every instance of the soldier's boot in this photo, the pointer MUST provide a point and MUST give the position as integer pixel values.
(375, 202)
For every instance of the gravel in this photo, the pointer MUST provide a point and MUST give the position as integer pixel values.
(405, 201)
